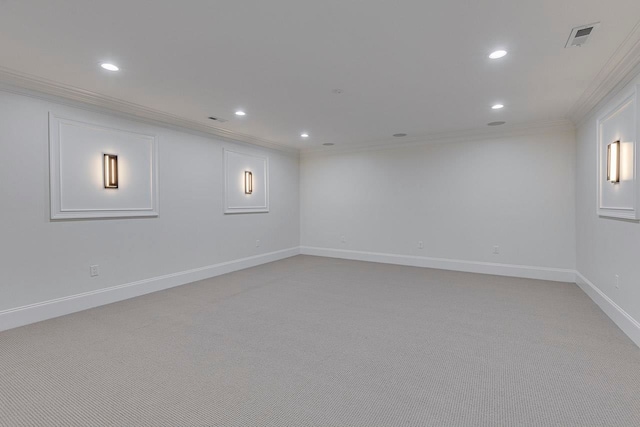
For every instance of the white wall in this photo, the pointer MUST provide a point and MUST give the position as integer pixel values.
(605, 246)
(460, 199)
(534, 196)
(41, 260)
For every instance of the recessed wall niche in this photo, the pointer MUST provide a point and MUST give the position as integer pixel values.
(618, 132)
(82, 181)
(246, 183)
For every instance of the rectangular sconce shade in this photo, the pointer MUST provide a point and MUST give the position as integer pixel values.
(613, 162)
(248, 182)
(110, 171)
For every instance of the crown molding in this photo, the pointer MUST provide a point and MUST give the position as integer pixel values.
(24, 84)
(617, 72)
(469, 135)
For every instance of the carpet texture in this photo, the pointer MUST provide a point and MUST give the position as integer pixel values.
(312, 341)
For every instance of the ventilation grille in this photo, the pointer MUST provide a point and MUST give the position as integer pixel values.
(217, 119)
(580, 35)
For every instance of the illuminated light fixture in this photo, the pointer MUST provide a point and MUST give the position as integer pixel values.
(110, 171)
(109, 67)
(613, 162)
(240, 113)
(304, 135)
(248, 182)
(497, 107)
(498, 54)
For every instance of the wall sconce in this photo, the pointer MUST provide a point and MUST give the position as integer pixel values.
(110, 171)
(248, 182)
(613, 162)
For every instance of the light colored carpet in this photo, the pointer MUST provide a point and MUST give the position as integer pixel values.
(313, 341)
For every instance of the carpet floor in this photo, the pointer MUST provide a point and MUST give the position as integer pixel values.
(312, 341)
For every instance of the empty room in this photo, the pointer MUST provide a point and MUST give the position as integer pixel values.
(320, 213)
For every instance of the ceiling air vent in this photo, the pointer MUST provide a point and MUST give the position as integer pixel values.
(217, 119)
(580, 35)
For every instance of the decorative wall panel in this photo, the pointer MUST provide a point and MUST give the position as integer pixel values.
(78, 170)
(619, 124)
(246, 182)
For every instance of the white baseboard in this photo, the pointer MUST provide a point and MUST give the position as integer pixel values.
(628, 324)
(621, 318)
(20, 316)
(529, 272)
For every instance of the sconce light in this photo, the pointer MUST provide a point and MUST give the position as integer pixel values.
(613, 162)
(248, 182)
(110, 171)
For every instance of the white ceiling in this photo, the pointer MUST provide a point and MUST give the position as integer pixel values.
(418, 67)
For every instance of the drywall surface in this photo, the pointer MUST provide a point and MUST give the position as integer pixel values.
(460, 200)
(606, 247)
(41, 259)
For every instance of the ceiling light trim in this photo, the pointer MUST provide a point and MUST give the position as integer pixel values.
(497, 54)
(110, 66)
(25, 84)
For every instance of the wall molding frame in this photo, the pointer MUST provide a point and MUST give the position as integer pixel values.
(244, 206)
(56, 173)
(619, 207)
(32, 313)
(523, 271)
(628, 325)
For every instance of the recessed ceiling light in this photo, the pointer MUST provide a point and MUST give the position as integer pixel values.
(497, 106)
(399, 135)
(110, 67)
(240, 113)
(497, 54)
(328, 144)
(496, 123)
(304, 135)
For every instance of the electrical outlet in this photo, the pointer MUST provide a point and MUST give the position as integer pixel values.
(257, 243)
(617, 281)
(343, 239)
(420, 245)
(93, 271)
(496, 250)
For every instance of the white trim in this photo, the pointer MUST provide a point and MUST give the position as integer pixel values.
(524, 271)
(13, 81)
(628, 324)
(20, 316)
(58, 212)
(265, 178)
(630, 100)
(24, 84)
(616, 73)
(469, 135)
